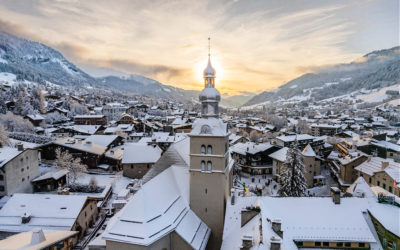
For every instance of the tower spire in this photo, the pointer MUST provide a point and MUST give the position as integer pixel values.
(209, 47)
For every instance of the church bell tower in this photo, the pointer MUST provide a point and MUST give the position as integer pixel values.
(210, 166)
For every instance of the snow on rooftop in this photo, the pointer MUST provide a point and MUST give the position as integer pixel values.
(140, 153)
(360, 188)
(24, 240)
(103, 140)
(280, 155)
(303, 219)
(87, 129)
(374, 164)
(7, 154)
(308, 151)
(47, 211)
(157, 209)
(250, 147)
(55, 175)
(82, 145)
(300, 137)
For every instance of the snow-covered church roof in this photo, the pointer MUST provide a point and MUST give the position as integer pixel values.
(158, 208)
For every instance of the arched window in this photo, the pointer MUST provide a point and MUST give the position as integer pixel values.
(203, 166)
(203, 149)
(209, 166)
(209, 149)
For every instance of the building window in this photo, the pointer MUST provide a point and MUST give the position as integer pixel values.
(369, 180)
(390, 189)
(23, 179)
(203, 166)
(203, 149)
(209, 166)
(361, 244)
(378, 183)
(347, 244)
(317, 244)
(22, 169)
(1, 188)
(339, 244)
(209, 149)
(384, 186)
(206, 190)
(1, 177)
(325, 244)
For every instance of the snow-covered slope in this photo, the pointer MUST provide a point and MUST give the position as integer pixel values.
(376, 70)
(37, 62)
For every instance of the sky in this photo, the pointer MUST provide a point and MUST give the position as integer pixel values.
(255, 45)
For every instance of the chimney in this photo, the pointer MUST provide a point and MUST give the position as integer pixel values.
(232, 196)
(20, 147)
(275, 243)
(277, 226)
(335, 193)
(385, 164)
(37, 236)
(25, 218)
(247, 242)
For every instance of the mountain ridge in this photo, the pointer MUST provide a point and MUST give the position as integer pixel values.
(377, 69)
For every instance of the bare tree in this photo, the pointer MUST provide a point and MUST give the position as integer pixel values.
(93, 184)
(64, 160)
(3, 136)
(254, 137)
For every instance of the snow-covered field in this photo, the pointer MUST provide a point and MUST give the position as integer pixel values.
(6, 77)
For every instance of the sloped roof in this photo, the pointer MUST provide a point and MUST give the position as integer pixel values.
(103, 140)
(250, 147)
(23, 240)
(140, 153)
(177, 154)
(7, 154)
(48, 211)
(158, 208)
(308, 151)
(55, 175)
(360, 188)
(280, 155)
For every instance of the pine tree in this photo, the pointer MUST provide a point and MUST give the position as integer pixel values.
(293, 180)
(19, 104)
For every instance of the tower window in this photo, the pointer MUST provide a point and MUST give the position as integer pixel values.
(203, 166)
(203, 149)
(209, 166)
(209, 149)
(206, 190)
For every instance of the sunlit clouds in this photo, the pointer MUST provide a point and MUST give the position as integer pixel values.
(256, 45)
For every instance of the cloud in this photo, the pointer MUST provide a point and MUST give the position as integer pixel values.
(18, 30)
(256, 45)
